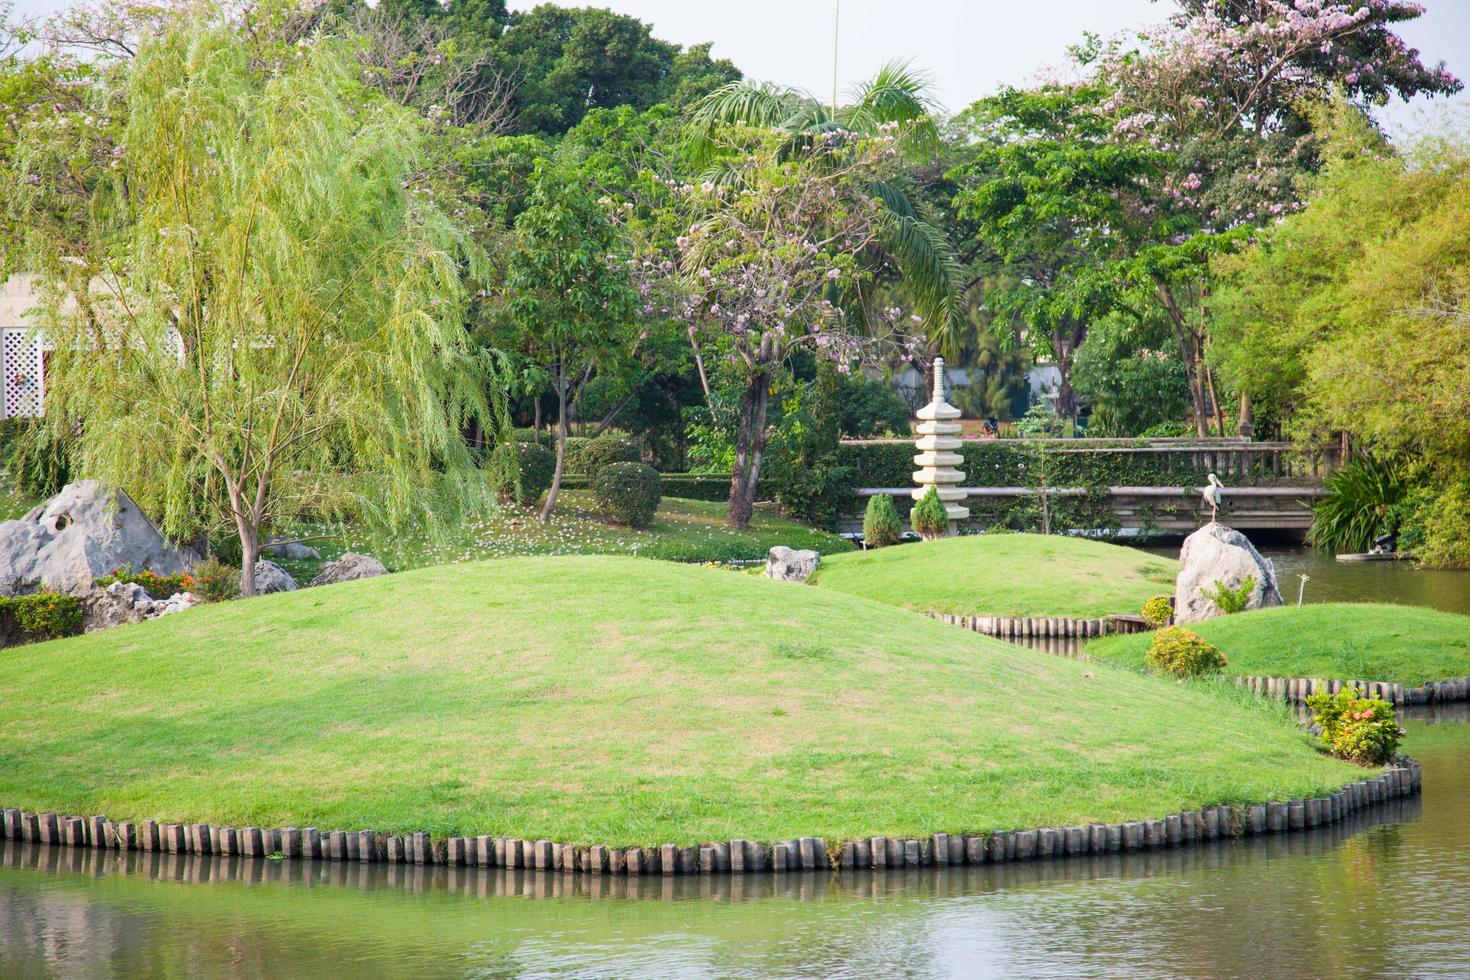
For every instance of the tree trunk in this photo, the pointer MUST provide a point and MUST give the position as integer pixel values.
(1189, 354)
(249, 552)
(561, 442)
(750, 443)
(1215, 401)
(1245, 425)
(536, 423)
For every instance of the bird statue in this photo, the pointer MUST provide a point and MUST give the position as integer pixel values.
(1212, 496)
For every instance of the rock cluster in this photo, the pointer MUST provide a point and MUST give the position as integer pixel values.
(127, 602)
(352, 565)
(790, 565)
(82, 533)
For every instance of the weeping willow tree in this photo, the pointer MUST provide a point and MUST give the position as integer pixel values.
(273, 321)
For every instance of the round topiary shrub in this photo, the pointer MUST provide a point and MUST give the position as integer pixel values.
(536, 465)
(881, 524)
(1158, 611)
(1182, 653)
(591, 455)
(929, 518)
(628, 493)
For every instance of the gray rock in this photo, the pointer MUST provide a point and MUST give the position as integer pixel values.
(350, 566)
(294, 550)
(80, 534)
(1219, 554)
(791, 566)
(119, 603)
(270, 577)
(177, 602)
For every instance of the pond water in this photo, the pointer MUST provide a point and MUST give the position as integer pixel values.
(1386, 894)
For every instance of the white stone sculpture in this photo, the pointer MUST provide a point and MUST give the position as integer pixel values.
(938, 445)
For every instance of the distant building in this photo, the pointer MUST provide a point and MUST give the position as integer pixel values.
(22, 355)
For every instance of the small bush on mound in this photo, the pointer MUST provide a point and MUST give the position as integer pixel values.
(591, 455)
(213, 581)
(42, 616)
(628, 493)
(1230, 601)
(881, 525)
(929, 518)
(536, 465)
(1360, 729)
(1158, 612)
(157, 586)
(1182, 653)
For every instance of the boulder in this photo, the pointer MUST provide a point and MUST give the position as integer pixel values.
(80, 534)
(270, 577)
(294, 550)
(351, 565)
(790, 565)
(177, 602)
(1216, 554)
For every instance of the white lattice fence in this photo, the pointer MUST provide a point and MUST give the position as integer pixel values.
(24, 367)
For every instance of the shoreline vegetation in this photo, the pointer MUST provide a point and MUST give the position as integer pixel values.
(1004, 574)
(619, 700)
(1408, 645)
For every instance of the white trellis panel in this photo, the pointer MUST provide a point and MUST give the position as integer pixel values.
(25, 366)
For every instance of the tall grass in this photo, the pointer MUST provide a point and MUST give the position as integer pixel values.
(1359, 506)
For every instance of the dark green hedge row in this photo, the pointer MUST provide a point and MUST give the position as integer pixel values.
(43, 616)
(1018, 463)
(686, 486)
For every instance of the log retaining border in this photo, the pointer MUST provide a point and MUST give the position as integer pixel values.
(1183, 829)
(1298, 689)
(1027, 627)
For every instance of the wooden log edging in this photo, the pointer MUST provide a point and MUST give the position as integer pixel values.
(1403, 778)
(1298, 689)
(1019, 627)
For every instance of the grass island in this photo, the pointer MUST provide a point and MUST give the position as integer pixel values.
(1003, 575)
(1408, 645)
(620, 701)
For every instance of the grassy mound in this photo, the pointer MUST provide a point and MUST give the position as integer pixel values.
(619, 701)
(1004, 575)
(682, 530)
(1406, 645)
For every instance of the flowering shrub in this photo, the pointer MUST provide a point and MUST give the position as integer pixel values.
(1360, 729)
(43, 616)
(213, 581)
(628, 493)
(1182, 653)
(157, 586)
(1158, 611)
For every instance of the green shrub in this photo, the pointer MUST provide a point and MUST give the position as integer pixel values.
(589, 456)
(213, 581)
(1360, 729)
(1361, 504)
(38, 617)
(628, 493)
(929, 518)
(157, 586)
(536, 466)
(867, 407)
(1182, 653)
(1230, 601)
(881, 523)
(1158, 611)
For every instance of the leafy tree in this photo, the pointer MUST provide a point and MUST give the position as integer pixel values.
(273, 316)
(1128, 376)
(911, 250)
(568, 291)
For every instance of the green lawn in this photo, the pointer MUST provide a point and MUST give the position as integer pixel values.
(1004, 575)
(683, 530)
(1335, 641)
(619, 701)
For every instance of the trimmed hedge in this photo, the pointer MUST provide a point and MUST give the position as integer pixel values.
(537, 466)
(38, 617)
(1013, 463)
(628, 493)
(589, 456)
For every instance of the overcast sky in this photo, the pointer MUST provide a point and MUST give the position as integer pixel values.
(968, 46)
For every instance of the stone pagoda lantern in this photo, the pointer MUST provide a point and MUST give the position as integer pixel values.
(938, 444)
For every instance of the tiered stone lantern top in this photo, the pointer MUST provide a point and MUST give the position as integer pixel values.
(938, 442)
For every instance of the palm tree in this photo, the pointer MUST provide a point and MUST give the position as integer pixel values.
(893, 102)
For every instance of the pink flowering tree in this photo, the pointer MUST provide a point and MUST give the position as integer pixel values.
(779, 259)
